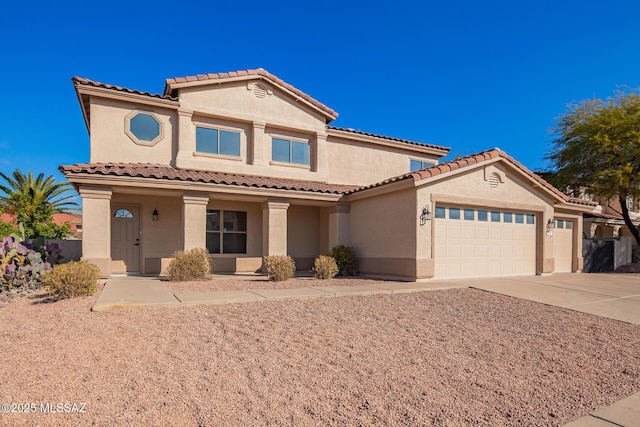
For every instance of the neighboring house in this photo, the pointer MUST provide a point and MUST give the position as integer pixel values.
(74, 221)
(247, 166)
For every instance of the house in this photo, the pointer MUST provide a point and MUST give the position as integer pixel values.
(74, 221)
(247, 165)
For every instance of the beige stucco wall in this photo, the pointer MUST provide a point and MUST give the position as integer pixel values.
(360, 163)
(383, 233)
(303, 235)
(110, 143)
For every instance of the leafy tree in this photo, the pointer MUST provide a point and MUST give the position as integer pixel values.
(34, 200)
(596, 147)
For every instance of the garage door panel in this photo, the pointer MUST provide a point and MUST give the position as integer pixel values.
(466, 248)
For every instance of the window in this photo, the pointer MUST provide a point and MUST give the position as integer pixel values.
(144, 128)
(440, 211)
(469, 214)
(417, 165)
(531, 219)
(217, 141)
(482, 215)
(123, 213)
(226, 232)
(560, 224)
(568, 225)
(454, 213)
(495, 216)
(289, 151)
(519, 218)
(508, 217)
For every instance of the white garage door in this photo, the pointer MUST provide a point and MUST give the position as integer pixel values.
(472, 242)
(562, 246)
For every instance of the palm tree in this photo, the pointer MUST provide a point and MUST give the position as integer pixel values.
(33, 201)
(26, 192)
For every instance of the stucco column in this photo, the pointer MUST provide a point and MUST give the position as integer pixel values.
(616, 231)
(257, 148)
(186, 137)
(194, 220)
(339, 233)
(320, 163)
(274, 227)
(593, 229)
(96, 227)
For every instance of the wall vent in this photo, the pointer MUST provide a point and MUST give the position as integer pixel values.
(259, 91)
(494, 180)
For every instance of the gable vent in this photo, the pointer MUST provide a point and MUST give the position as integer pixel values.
(494, 180)
(259, 91)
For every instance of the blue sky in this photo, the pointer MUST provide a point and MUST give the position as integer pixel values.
(469, 75)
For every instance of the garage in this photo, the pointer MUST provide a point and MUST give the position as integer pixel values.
(478, 242)
(563, 245)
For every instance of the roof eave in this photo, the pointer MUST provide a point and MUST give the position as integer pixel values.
(423, 148)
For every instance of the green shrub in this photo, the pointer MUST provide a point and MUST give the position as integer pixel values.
(193, 264)
(73, 279)
(279, 267)
(325, 267)
(345, 257)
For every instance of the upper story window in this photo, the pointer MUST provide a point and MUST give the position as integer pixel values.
(417, 165)
(290, 151)
(144, 128)
(217, 141)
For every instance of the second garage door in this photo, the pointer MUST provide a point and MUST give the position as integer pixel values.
(562, 246)
(472, 242)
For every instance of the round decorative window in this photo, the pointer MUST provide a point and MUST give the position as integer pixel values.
(143, 128)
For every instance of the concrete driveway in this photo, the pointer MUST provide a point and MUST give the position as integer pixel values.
(615, 296)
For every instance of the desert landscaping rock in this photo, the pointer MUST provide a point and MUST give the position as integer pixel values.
(445, 358)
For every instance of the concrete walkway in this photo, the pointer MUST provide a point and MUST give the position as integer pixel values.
(614, 296)
(135, 292)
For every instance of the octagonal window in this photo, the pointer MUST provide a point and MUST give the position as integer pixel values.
(144, 128)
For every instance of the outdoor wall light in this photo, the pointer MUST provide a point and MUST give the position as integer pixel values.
(425, 215)
(551, 223)
(155, 216)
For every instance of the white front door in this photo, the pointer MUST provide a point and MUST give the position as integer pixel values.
(125, 239)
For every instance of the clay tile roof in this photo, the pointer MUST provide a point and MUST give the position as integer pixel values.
(444, 168)
(146, 170)
(86, 82)
(242, 73)
(390, 138)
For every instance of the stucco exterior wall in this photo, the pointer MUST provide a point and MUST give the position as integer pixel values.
(383, 234)
(359, 163)
(110, 143)
(303, 235)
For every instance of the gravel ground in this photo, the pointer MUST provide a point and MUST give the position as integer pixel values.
(230, 283)
(445, 358)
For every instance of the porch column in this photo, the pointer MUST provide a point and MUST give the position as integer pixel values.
(257, 147)
(593, 228)
(616, 231)
(339, 233)
(194, 220)
(186, 138)
(96, 227)
(274, 227)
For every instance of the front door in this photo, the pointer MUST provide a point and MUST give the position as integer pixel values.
(125, 239)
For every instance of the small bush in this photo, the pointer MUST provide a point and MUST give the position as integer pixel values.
(74, 279)
(193, 264)
(345, 257)
(279, 267)
(325, 267)
(21, 267)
